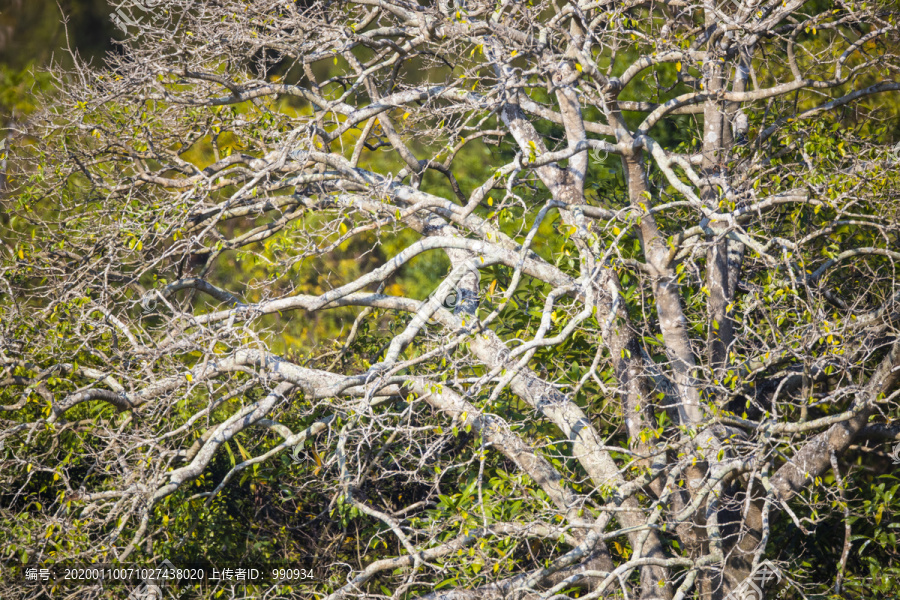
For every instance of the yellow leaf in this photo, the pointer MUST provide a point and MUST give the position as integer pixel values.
(189, 377)
(241, 449)
(514, 52)
(678, 66)
(578, 66)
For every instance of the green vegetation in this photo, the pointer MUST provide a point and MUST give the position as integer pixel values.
(533, 314)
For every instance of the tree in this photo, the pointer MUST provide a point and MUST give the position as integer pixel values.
(612, 292)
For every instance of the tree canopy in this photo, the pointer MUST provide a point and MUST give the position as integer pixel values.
(472, 299)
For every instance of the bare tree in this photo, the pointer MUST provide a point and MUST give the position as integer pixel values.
(664, 334)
